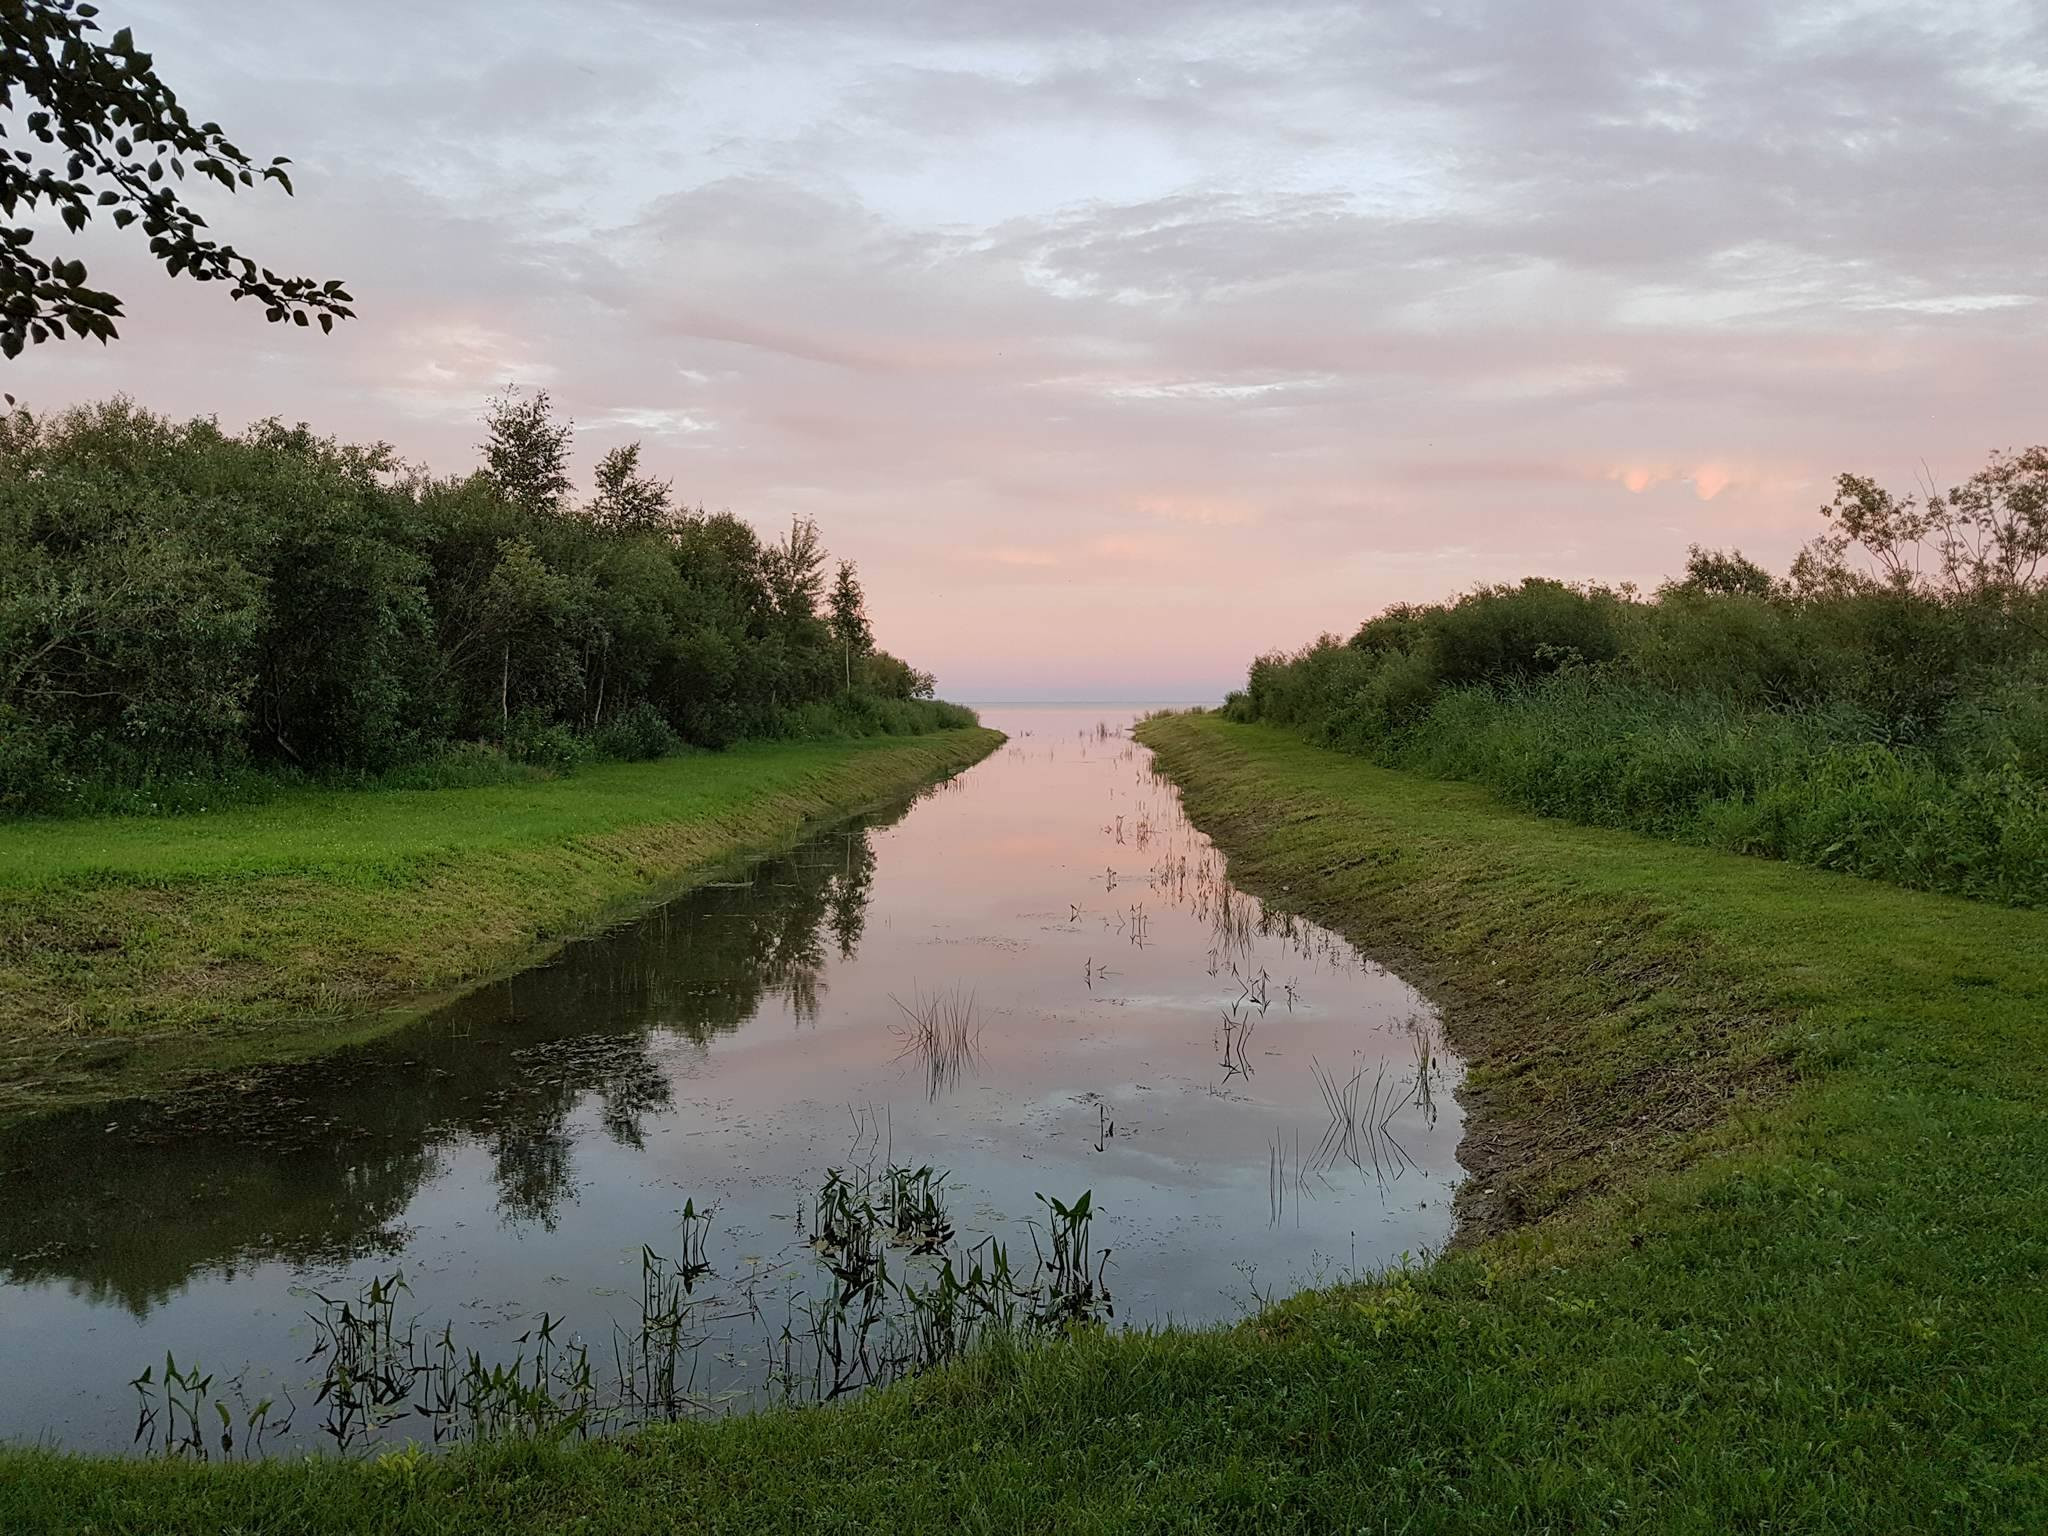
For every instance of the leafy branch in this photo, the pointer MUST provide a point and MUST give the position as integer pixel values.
(125, 145)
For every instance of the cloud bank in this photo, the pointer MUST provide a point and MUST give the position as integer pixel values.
(1119, 343)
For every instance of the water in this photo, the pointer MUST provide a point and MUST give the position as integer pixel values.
(512, 1153)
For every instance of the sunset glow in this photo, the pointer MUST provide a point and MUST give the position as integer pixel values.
(1119, 345)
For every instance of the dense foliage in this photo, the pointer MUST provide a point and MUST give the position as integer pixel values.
(183, 610)
(1884, 709)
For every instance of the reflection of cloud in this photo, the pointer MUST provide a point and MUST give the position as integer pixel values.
(1320, 281)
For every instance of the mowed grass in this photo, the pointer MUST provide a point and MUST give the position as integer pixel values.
(135, 950)
(1773, 1138)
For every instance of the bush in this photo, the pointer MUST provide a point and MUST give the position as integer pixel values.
(864, 714)
(533, 739)
(461, 765)
(1508, 633)
(1891, 732)
(640, 734)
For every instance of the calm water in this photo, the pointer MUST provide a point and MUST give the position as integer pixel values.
(512, 1153)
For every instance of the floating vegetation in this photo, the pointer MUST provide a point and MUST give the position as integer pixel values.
(1255, 988)
(1426, 1068)
(1091, 973)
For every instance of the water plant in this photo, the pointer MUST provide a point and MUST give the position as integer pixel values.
(1361, 1120)
(172, 1416)
(943, 1033)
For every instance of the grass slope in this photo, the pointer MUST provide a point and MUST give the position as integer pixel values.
(133, 951)
(1785, 1132)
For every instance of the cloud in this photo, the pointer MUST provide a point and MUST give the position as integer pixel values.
(1167, 332)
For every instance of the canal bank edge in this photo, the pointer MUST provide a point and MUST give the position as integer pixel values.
(125, 969)
(1605, 1037)
(1817, 1310)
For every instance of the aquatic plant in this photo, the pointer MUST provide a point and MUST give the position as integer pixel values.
(943, 1032)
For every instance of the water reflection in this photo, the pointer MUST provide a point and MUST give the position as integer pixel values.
(314, 1164)
(1040, 981)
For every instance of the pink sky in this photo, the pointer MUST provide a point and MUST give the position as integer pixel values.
(1117, 344)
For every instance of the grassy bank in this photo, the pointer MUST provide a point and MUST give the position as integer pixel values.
(1760, 1147)
(136, 950)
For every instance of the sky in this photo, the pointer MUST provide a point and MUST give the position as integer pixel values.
(1118, 343)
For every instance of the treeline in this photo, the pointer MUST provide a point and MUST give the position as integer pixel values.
(185, 612)
(1881, 709)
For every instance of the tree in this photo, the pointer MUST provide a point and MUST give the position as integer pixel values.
(894, 678)
(1995, 525)
(1726, 573)
(628, 501)
(526, 454)
(796, 572)
(118, 131)
(849, 619)
(1987, 537)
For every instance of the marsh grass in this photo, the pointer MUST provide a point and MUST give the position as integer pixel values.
(942, 1033)
(892, 1297)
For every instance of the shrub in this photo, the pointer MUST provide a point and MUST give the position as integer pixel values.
(639, 734)
(1877, 727)
(533, 739)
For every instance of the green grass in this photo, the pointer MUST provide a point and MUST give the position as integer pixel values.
(134, 951)
(1761, 1147)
